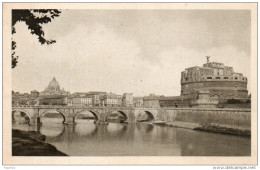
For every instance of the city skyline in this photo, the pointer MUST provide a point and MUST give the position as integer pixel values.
(124, 51)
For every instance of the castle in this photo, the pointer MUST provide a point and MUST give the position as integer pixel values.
(209, 85)
(219, 80)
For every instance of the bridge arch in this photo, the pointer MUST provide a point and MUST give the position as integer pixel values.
(125, 117)
(91, 111)
(150, 115)
(20, 110)
(56, 110)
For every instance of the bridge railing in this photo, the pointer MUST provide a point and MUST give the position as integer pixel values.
(24, 106)
(62, 106)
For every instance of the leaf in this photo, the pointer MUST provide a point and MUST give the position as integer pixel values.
(33, 22)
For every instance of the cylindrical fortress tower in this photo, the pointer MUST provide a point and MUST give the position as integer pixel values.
(220, 80)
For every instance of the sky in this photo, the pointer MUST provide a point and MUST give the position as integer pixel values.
(130, 51)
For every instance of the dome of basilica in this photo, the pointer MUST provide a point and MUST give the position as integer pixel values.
(54, 89)
(54, 84)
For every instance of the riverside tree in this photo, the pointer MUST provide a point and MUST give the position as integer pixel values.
(33, 18)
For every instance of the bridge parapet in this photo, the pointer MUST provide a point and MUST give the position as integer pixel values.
(23, 106)
(209, 109)
(81, 107)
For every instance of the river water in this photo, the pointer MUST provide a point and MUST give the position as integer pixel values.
(140, 139)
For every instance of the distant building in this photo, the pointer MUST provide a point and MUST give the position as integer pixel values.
(78, 94)
(127, 99)
(151, 101)
(54, 89)
(52, 100)
(173, 101)
(97, 92)
(24, 98)
(81, 101)
(138, 101)
(20, 98)
(110, 99)
(96, 97)
(35, 94)
(119, 100)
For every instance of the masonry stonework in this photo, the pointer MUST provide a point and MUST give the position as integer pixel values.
(218, 79)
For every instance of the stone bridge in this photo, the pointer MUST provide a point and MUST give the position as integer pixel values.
(100, 113)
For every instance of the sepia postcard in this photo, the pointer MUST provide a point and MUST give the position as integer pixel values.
(130, 83)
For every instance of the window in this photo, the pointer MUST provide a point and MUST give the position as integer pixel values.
(221, 71)
(217, 77)
(215, 71)
(225, 77)
(236, 78)
(209, 77)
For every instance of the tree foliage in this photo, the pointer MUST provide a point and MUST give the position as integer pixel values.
(33, 18)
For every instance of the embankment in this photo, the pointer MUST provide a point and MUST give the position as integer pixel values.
(31, 143)
(217, 120)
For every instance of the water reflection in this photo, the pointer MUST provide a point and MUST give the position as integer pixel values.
(52, 130)
(88, 139)
(80, 130)
(144, 127)
(208, 144)
(20, 118)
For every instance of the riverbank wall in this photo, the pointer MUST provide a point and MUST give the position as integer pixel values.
(239, 119)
